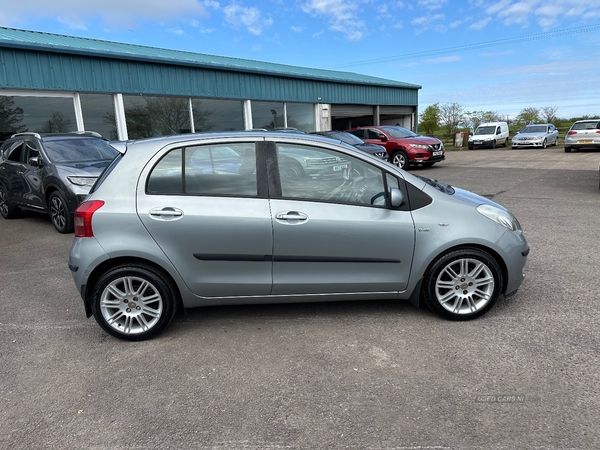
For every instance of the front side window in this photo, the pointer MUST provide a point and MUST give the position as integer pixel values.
(312, 173)
(220, 169)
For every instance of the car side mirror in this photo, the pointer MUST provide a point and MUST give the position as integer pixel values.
(35, 161)
(383, 138)
(396, 197)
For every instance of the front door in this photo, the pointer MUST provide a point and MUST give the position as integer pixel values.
(333, 231)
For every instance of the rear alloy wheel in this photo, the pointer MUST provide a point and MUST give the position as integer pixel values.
(7, 209)
(133, 302)
(62, 218)
(463, 284)
(400, 159)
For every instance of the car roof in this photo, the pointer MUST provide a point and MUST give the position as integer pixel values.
(54, 136)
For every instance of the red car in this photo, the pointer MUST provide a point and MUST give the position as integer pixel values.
(403, 146)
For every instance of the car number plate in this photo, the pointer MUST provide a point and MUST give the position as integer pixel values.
(477, 142)
(437, 153)
(585, 141)
(338, 168)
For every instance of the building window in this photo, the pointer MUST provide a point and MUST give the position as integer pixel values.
(217, 115)
(99, 114)
(38, 114)
(268, 115)
(301, 116)
(150, 116)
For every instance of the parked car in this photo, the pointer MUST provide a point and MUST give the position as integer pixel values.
(157, 234)
(373, 149)
(583, 134)
(489, 135)
(536, 135)
(50, 173)
(403, 146)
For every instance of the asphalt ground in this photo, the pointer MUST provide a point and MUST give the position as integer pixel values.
(351, 375)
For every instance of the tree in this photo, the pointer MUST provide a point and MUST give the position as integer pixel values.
(476, 118)
(57, 123)
(11, 116)
(451, 115)
(430, 119)
(549, 114)
(528, 115)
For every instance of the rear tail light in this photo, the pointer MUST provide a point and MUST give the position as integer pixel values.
(83, 217)
(572, 132)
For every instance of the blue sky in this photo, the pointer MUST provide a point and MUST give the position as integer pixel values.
(496, 55)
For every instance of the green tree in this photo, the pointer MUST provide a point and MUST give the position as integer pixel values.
(549, 114)
(476, 118)
(430, 119)
(528, 115)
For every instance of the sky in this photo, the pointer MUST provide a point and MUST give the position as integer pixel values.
(486, 55)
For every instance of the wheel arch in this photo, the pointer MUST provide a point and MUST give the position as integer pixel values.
(111, 263)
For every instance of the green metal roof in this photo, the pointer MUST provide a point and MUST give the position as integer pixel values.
(48, 42)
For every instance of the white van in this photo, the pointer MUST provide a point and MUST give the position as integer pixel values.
(490, 134)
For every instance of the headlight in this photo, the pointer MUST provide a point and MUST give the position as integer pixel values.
(419, 146)
(83, 181)
(501, 217)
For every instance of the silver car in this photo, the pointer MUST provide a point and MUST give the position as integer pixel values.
(160, 231)
(536, 135)
(583, 134)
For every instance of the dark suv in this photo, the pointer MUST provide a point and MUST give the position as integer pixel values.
(403, 146)
(50, 173)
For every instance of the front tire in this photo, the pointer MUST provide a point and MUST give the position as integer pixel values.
(400, 159)
(133, 302)
(544, 144)
(7, 209)
(463, 284)
(62, 218)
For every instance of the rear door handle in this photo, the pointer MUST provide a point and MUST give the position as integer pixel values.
(166, 213)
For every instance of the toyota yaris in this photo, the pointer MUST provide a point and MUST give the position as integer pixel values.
(160, 231)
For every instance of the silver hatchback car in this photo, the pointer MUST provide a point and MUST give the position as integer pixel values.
(216, 219)
(583, 134)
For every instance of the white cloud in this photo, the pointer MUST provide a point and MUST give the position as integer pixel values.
(113, 13)
(297, 29)
(249, 18)
(431, 4)
(443, 59)
(342, 16)
(480, 24)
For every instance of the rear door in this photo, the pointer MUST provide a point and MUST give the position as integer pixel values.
(334, 234)
(206, 206)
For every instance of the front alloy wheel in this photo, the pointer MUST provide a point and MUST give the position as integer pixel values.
(463, 284)
(62, 219)
(400, 159)
(133, 303)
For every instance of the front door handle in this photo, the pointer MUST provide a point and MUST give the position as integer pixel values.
(166, 213)
(292, 216)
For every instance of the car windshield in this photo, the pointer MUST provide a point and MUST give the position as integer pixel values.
(585, 125)
(486, 130)
(399, 132)
(348, 138)
(79, 150)
(534, 129)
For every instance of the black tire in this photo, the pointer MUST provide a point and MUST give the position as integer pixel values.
(567, 149)
(61, 217)
(470, 280)
(494, 143)
(544, 144)
(292, 169)
(513, 147)
(400, 159)
(126, 316)
(470, 147)
(7, 209)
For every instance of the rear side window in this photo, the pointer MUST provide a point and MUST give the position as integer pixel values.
(223, 169)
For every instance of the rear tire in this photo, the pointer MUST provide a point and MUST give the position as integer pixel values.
(7, 209)
(133, 302)
(567, 149)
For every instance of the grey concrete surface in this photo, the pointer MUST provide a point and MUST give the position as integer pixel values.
(360, 375)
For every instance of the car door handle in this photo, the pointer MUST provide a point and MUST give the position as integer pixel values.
(291, 215)
(166, 213)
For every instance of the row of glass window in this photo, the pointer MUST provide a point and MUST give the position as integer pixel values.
(145, 115)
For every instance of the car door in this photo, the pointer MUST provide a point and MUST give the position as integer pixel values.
(333, 232)
(11, 171)
(207, 208)
(32, 175)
